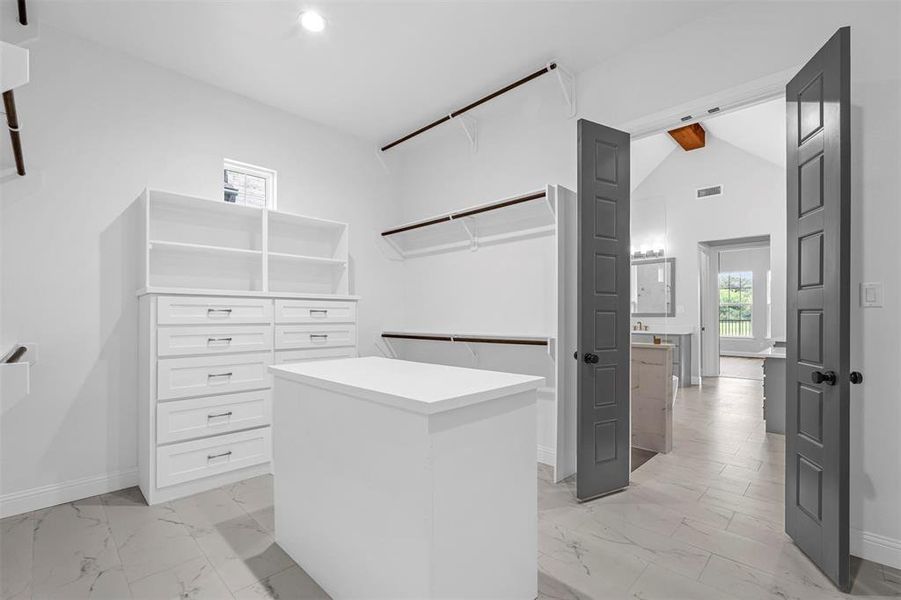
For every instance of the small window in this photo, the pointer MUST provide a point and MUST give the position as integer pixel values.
(736, 304)
(249, 185)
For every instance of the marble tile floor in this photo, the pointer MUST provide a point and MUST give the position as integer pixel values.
(704, 521)
(739, 366)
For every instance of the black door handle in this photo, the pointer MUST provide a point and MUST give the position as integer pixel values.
(819, 377)
(591, 358)
(856, 377)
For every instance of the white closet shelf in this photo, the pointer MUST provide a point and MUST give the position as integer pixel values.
(321, 260)
(295, 219)
(180, 291)
(202, 248)
(512, 218)
(183, 202)
(471, 338)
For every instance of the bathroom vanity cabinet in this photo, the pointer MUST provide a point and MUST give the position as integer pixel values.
(774, 389)
(681, 342)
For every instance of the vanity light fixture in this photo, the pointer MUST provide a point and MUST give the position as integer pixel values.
(312, 21)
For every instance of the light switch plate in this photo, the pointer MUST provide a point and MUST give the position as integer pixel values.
(871, 294)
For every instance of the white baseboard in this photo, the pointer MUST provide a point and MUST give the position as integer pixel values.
(547, 456)
(58, 493)
(876, 548)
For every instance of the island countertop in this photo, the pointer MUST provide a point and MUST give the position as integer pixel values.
(418, 387)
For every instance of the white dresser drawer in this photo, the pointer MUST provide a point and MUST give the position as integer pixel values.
(315, 311)
(188, 461)
(289, 337)
(180, 420)
(213, 339)
(308, 354)
(206, 375)
(190, 310)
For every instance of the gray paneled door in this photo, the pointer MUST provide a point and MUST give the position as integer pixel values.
(602, 431)
(818, 344)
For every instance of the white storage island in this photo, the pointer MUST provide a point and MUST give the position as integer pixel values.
(397, 479)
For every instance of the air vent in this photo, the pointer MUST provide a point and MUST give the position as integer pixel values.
(707, 192)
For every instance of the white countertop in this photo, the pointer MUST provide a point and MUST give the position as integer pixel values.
(419, 387)
(772, 353)
(665, 331)
(652, 346)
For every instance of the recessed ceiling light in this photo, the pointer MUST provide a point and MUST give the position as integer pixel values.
(312, 21)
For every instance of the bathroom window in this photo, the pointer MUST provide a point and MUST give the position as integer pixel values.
(736, 303)
(248, 185)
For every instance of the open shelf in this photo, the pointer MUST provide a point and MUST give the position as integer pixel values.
(337, 262)
(195, 221)
(295, 235)
(510, 218)
(201, 248)
(179, 265)
(305, 276)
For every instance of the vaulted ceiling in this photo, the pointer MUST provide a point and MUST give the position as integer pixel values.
(380, 68)
(758, 130)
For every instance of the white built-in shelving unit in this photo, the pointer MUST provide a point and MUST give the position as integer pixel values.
(503, 272)
(226, 291)
(206, 245)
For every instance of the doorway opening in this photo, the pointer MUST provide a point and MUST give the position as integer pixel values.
(736, 306)
(723, 458)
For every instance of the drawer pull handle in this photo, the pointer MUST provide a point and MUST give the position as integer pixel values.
(212, 311)
(319, 311)
(318, 336)
(216, 416)
(210, 457)
(213, 375)
(227, 340)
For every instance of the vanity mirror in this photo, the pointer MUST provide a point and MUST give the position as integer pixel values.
(653, 291)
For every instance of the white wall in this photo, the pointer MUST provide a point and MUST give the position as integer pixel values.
(97, 127)
(526, 141)
(757, 262)
(752, 205)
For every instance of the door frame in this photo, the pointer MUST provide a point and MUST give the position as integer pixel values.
(708, 336)
(727, 100)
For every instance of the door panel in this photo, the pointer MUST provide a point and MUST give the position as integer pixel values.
(818, 341)
(603, 432)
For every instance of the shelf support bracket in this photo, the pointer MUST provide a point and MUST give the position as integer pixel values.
(469, 347)
(470, 128)
(567, 83)
(472, 231)
(394, 246)
(388, 349)
(379, 154)
(552, 348)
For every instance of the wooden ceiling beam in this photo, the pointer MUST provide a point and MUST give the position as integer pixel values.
(690, 137)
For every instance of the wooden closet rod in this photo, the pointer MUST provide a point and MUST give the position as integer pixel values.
(471, 106)
(12, 121)
(470, 339)
(468, 213)
(411, 336)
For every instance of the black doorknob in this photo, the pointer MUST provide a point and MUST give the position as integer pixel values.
(591, 358)
(819, 377)
(856, 377)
